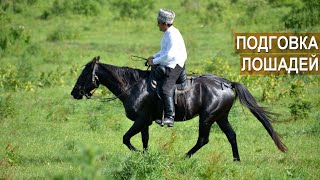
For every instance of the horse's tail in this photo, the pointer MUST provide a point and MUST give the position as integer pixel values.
(259, 112)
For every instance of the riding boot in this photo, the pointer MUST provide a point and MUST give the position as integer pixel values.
(168, 105)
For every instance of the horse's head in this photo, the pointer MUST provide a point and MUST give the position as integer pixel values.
(87, 81)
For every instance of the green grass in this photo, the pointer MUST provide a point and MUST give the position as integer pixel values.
(47, 134)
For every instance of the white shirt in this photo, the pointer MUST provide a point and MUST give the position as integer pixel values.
(173, 50)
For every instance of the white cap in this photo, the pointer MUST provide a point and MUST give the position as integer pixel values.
(166, 16)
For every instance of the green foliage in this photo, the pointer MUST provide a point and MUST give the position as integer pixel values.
(91, 163)
(132, 8)
(94, 123)
(17, 6)
(12, 36)
(63, 32)
(206, 11)
(305, 16)
(269, 88)
(206, 14)
(300, 109)
(7, 109)
(8, 77)
(84, 7)
(218, 66)
(256, 12)
(17, 77)
(51, 78)
(24, 70)
(11, 155)
(143, 166)
(151, 164)
(60, 114)
(9, 161)
(21, 77)
(297, 88)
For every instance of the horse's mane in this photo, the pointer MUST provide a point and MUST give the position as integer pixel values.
(126, 75)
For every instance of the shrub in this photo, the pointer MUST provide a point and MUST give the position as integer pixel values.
(132, 8)
(51, 78)
(94, 123)
(17, 77)
(218, 66)
(143, 166)
(63, 32)
(269, 88)
(300, 109)
(16, 6)
(33, 49)
(207, 11)
(11, 35)
(305, 16)
(87, 7)
(24, 70)
(297, 89)
(8, 77)
(90, 161)
(84, 7)
(207, 16)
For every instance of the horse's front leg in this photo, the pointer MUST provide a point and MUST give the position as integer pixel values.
(145, 137)
(137, 127)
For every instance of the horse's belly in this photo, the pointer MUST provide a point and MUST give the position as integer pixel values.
(186, 108)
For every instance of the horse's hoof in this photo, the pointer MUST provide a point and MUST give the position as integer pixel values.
(236, 159)
(187, 156)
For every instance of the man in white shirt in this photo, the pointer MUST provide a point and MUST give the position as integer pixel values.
(171, 62)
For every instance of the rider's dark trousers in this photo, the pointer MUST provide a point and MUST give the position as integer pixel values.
(169, 80)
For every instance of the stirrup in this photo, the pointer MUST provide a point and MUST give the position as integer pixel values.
(162, 122)
(169, 122)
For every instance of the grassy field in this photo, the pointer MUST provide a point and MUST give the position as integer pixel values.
(45, 134)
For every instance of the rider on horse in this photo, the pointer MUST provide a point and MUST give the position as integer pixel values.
(171, 63)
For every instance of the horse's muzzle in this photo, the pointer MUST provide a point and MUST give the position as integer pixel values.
(75, 93)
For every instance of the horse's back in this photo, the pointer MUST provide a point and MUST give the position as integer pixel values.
(208, 94)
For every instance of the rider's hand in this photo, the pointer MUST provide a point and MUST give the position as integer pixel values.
(150, 61)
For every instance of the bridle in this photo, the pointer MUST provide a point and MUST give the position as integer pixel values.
(94, 80)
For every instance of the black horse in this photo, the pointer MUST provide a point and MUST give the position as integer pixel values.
(211, 97)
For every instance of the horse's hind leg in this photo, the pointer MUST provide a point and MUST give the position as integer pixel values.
(231, 135)
(203, 139)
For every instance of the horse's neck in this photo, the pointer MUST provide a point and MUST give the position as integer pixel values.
(109, 77)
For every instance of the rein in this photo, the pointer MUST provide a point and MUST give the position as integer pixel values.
(138, 58)
(95, 78)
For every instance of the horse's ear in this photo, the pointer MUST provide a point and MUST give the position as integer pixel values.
(96, 59)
